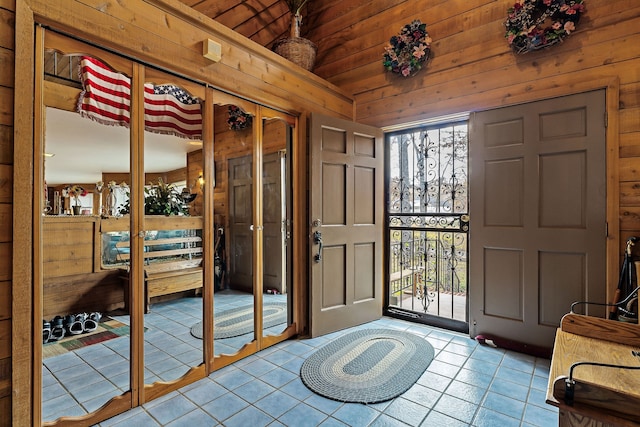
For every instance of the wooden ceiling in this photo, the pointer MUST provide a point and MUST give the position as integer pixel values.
(263, 21)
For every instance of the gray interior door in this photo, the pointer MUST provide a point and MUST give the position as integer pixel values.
(240, 259)
(240, 220)
(273, 221)
(346, 209)
(537, 207)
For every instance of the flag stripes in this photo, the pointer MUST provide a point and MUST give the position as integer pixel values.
(106, 98)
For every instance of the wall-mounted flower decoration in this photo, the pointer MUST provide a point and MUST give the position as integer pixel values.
(238, 119)
(407, 52)
(536, 24)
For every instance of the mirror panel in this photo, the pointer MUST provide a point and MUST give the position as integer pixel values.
(86, 333)
(173, 238)
(276, 220)
(234, 298)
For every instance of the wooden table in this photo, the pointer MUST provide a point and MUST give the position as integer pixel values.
(602, 396)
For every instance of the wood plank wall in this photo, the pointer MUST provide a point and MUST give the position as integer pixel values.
(473, 69)
(7, 31)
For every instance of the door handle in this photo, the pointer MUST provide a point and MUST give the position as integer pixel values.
(317, 239)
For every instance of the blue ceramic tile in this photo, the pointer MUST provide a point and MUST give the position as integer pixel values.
(460, 349)
(439, 419)
(434, 381)
(253, 390)
(519, 362)
(250, 416)
(279, 357)
(475, 378)
(276, 403)
(488, 418)
(278, 377)
(138, 420)
(541, 417)
(328, 406)
(387, 421)
(537, 397)
(298, 348)
(504, 404)
(172, 409)
(422, 395)
(354, 414)
(467, 392)
(258, 367)
(293, 365)
(540, 383)
(97, 389)
(488, 354)
(302, 415)
(508, 388)
(225, 406)
(407, 411)
(234, 379)
(482, 366)
(457, 408)
(514, 376)
(451, 358)
(441, 368)
(331, 422)
(297, 389)
(206, 391)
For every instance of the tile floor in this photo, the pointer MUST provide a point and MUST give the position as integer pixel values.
(466, 384)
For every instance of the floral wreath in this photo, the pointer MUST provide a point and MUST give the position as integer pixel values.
(407, 52)
(536, 24)
(238, 119)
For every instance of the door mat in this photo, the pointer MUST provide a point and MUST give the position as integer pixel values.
(367, 366)
(239, 321)
(108, 329)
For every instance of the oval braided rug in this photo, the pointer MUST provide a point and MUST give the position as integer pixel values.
(239, 321)
(367, 366)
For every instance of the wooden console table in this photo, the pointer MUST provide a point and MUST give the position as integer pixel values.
(602, 396)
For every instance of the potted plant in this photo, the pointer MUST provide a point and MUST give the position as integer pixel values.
(160, 199)
(296, 49)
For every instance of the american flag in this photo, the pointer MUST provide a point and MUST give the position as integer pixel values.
(106, 98)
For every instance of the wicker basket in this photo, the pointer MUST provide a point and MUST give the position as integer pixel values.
(298, 50)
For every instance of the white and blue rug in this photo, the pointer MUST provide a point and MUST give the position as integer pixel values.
(367, 366)
(239, 321)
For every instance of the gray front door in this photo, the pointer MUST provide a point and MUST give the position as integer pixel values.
(537, 208)
(346, 210)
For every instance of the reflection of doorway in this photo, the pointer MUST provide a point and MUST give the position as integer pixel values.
(240, 223)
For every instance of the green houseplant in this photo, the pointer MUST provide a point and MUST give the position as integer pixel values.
(160, 199)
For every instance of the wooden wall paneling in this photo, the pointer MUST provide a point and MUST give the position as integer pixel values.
(6, 219)
(6, 183)
(6, 145)
(246, 68)
(630, 144)
(6, 67)
(5, 300)
(7, 25)
(6, 105)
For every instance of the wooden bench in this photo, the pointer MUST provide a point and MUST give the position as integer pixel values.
(172, 265)
(597, 396)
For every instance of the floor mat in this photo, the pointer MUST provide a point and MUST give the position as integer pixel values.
(107, 329)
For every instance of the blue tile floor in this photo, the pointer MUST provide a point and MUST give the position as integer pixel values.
(466, 384)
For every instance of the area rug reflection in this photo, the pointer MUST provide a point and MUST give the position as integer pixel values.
(367, 366)
(239, 321)
(108, 329)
